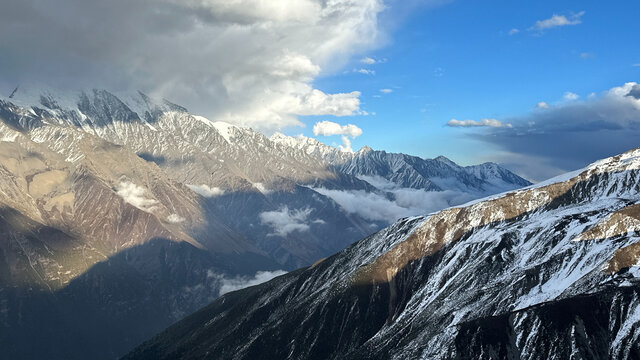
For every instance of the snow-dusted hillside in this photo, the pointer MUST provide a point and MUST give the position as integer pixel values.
(549, 271)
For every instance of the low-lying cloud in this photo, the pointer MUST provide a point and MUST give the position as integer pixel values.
(135, 195)
(403, 202)
(241, 282)
(206, 190)
(284, 221)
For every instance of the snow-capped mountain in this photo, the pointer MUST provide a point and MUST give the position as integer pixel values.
(548, 271)
(125, 205)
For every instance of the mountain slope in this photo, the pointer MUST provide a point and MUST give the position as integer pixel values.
(544, 272)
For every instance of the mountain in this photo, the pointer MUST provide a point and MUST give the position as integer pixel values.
(548, 271)
(258, 185)
(121, 214)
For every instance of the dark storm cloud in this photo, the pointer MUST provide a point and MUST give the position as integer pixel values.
(571, 135)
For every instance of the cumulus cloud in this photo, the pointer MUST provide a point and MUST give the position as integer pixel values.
(241, 282)
(513, 31)
(542, 105)
(135, 195)
(206, 191)
(248, 62)
(569, 96)
(328, 128)
(285, 221)
(474, 123)
(386, 91)
(558, 20)
(572, 134)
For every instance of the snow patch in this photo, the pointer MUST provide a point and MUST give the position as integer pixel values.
(175, 219)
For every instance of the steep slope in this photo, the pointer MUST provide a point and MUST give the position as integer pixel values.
(550, 271)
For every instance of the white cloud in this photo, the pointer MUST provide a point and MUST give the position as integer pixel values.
(542, 105)
(636, 64)
(328, 128)
(206, 191)
(285, 221)
(175, 219)
(569, 96)
(513, 31)
(367, 60)
(386, 91)
(135, 195)
(558, 20)
(248, 62)
(263, 189)
(365, 71)
(406, 202)
(473, 123)
(242, 282)
(586, 55)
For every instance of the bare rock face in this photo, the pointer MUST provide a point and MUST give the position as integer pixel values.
(548, 271)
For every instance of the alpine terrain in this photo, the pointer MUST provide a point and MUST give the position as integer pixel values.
(550, 271)
(122, 214)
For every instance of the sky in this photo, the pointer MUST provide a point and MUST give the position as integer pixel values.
(541, 87)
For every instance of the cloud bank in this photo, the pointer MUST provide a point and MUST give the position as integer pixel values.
(569, 135)
(248, 62)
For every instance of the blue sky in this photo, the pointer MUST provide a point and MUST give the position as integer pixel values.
(462, 60)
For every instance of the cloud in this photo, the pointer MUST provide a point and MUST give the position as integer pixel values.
(557, 20)
(365, 71)
(135, 195)
(368, 61)
(569, 96)
(285, 221)
(241, 282)
(328, 128)
(386, 91)
(586, 55)
(513, 31)
(474, 123)
(542, 105)
(248, 62)
(206, 191)
(570, 135)
(404, 201)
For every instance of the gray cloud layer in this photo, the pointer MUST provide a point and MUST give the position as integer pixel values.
(245, 61)
(570, 135)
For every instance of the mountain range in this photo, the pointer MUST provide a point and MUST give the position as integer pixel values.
(122, 214)
(550, 271)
